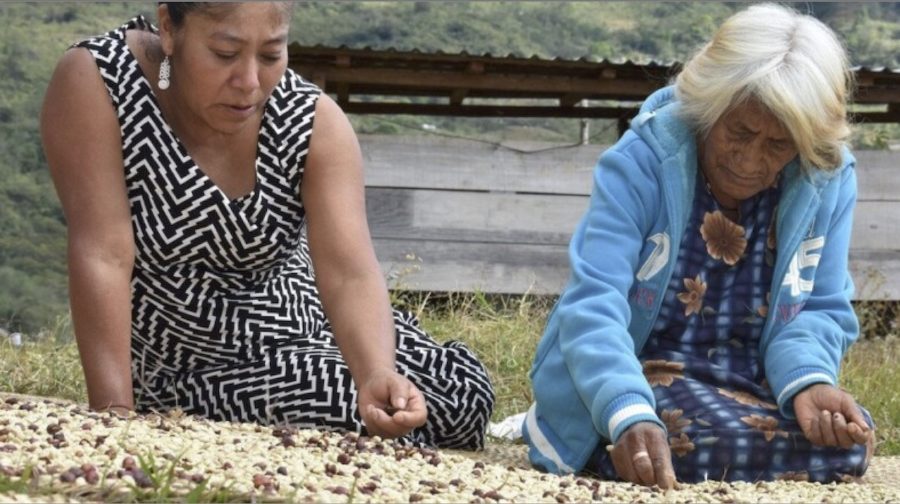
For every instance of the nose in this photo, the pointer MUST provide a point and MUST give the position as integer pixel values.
(750, 159)
(246, 75)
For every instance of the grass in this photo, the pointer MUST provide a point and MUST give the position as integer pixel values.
(17, 484)
(871, 374)
(43, 367)
(504, 332)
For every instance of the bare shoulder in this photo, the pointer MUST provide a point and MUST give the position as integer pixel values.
(75, 88)
(328, 113)
(332, 132)
(77, 118)
(81, 136)
(76, 66)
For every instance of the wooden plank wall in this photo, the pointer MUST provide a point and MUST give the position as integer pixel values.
(457, 215)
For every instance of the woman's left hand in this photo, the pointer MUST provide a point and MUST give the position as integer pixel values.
(391, 405)
(829, 416)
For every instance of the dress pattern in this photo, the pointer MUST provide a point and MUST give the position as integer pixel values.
(703, 362)
(226, 318)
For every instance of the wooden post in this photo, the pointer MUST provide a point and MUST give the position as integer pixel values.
(623, 122)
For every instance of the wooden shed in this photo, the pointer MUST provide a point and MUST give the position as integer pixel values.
(455, 215)
(367, 81)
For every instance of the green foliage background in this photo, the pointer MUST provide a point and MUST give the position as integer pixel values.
(34, 35)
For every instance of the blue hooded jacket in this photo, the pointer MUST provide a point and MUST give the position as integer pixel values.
(588, 383)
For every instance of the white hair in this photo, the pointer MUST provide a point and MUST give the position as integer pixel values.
(793, 64)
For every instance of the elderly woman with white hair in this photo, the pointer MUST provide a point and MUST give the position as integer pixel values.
(702, 330)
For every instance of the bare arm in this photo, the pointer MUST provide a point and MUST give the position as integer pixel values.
(348, 276)
(82, 142)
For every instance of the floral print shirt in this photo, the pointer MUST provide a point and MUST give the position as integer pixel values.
(717, 300)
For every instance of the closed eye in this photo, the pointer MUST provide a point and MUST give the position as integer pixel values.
(741, 134)
(779, 145)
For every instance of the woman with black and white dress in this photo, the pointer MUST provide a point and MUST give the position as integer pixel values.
(219, 256)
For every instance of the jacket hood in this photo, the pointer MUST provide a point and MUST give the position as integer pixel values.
(659, 125)
(658, 99)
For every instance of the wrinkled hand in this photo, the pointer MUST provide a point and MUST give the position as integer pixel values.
(642, 456)
(829, 416)
(390, 405)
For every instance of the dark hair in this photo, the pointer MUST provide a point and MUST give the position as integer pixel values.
(178, 10)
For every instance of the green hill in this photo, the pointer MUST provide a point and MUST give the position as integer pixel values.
(34, 35)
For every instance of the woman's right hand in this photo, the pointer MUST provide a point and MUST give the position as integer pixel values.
(642, 456)
(828, 416)
(391, 405)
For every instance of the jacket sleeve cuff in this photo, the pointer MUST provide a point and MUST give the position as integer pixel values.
(625, 411)
(795, 381)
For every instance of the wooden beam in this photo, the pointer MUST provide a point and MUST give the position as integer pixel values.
(891, 116)
(535, 168)
(877, 176)
(475, 67)
(458, 266)
(622, 125)
(350, 72)
(443, 266)
(320, 57)
(457, 96)
(570, 100)
(445, 82)
(487, 110)
(880, 94)
(318, 78)
(876, 274)
(532, 167)
(477, 216)
(875, 226)
(360, 89)
(865, 80)
(343, 93)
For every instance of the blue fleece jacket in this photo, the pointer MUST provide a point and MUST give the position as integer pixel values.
(587, 380)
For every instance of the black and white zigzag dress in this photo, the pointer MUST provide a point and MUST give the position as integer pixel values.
(226, 319)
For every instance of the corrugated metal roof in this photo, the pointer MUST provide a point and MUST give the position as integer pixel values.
(514, 57)
(880, 69)
(465, 54)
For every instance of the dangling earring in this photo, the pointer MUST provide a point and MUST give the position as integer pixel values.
(164, 69)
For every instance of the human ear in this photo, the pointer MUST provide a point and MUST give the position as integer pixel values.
(166, 30)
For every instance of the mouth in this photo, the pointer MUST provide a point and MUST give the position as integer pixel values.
(240, 111)
(742, 179)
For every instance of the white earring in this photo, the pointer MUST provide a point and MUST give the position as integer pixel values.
(164, 70)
